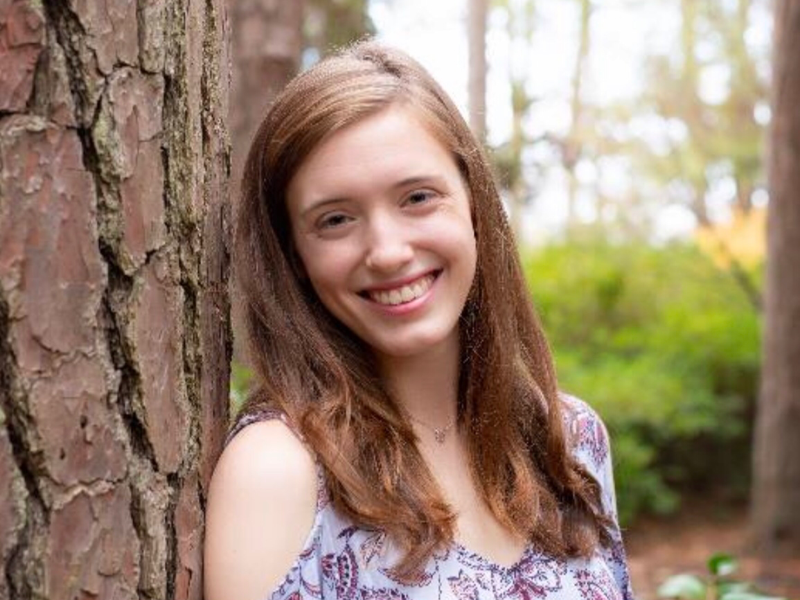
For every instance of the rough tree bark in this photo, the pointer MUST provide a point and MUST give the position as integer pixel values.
(776, 482)
(114, 335)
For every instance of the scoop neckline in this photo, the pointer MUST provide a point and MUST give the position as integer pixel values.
(490, 563)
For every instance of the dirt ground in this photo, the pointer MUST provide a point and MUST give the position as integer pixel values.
(658, 548)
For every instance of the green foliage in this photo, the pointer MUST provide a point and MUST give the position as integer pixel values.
(665, 346)
(717, 585)
(241, 380)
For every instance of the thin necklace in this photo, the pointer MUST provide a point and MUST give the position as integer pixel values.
(439, 433)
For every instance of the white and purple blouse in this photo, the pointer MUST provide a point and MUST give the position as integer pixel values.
(341, 560)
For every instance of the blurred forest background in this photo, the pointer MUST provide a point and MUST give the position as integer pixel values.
(629, 139)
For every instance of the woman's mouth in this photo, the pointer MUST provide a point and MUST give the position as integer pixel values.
(403, 294)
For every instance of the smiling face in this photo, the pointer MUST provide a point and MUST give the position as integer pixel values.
(380, 218)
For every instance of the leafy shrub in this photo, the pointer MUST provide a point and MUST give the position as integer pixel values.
(717, 585)
(665, 346)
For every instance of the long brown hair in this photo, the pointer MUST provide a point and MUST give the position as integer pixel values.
(325, 379)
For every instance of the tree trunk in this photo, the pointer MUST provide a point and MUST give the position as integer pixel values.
(517, 184)
(114, 334)
(520, 20)
(476, 37)
(331, 24)
(776, 482)
(577, 132)
(267, 44)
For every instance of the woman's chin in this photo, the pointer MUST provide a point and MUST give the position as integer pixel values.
(417, 346)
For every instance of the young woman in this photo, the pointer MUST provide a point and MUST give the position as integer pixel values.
(407, 438)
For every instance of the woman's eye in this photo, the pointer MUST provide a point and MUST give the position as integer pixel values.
(420, 196)
(332, 221)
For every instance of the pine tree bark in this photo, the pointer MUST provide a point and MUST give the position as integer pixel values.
(114, 330)
(776, 482)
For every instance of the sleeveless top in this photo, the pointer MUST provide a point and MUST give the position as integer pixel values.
(341, 560)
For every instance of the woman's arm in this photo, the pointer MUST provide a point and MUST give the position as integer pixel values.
(261, 507)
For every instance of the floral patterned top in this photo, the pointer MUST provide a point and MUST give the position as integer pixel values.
(340, 560)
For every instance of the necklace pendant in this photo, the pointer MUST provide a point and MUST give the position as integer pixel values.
(439, 435)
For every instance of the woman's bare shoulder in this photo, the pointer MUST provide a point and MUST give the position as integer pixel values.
(266, 449)
(261, 507)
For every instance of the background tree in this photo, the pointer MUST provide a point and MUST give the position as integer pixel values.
(709, 141)
(695, 137)
(114, 336)
(509, 158)
(269, 41)
(267, 46)
(330, 24)
(477, 13)
(776, 485)
(519, 172)
(572, 146)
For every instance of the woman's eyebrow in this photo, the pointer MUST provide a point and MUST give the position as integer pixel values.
(407, 181)
(317, 204)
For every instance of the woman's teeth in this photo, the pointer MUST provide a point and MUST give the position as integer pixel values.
(407, 293)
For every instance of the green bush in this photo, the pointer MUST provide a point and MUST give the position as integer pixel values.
(718, 584)
(665, 346)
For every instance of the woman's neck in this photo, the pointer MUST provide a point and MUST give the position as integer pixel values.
(426, 386)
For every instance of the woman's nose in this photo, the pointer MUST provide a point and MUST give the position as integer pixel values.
(389, 245)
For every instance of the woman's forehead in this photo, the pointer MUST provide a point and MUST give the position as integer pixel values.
(383, 149)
